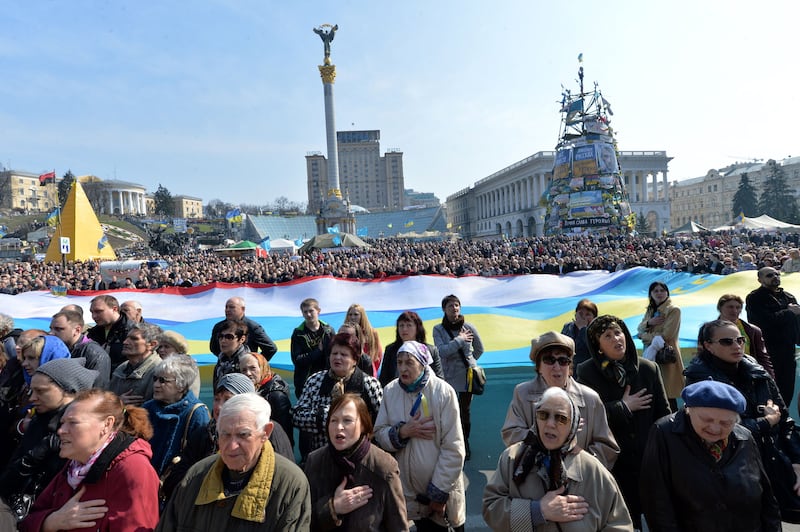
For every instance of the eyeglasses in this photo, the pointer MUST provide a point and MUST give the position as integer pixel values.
(729, 341)
(561, 361)
(227, 336)
(162, 380)
(543, 415)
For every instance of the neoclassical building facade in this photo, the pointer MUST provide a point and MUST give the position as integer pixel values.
(509, 202)
(114, 197)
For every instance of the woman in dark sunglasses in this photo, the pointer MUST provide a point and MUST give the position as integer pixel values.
(721, 357)
(553, 354)
(547, 479)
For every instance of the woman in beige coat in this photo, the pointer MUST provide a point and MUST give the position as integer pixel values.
(546, 482)
(663, 319)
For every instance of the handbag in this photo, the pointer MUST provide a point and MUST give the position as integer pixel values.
(476, 380)
(666, 355)
(476, 376)
(162, 497)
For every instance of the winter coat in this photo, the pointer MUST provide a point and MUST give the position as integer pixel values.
(388, 369)
(453, 350)
(96, 358)
(438, 461)
(138, 380)
(36, 460)
(778, 324)
(386, 509)
(112, 341)
(684, 488)
(669, 331)
(595, 437)
(507, 505)
(756, 347)
(257, 338)
(276, 499)
(630, 429)
(122, 476)
(311, 411)
(276, 392)
(169, 425)
(308, 350)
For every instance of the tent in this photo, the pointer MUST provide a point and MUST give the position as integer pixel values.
(689, 227)
(766, 223)
(79, 223)
(329, 241)
(282, 244)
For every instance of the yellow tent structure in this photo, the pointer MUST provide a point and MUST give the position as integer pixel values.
(79, 222)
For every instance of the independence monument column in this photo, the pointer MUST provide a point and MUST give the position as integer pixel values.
(335, 210)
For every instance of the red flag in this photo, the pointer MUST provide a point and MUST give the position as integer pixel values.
(49, 177)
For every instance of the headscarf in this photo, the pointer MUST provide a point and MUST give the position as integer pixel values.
(266, 373)
(53, 349)
(549, 463)
(417, 350)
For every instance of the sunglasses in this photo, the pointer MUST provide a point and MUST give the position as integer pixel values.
(543, 415)
(729, 341)
(162, 380)
(561, 361)
(227, 336)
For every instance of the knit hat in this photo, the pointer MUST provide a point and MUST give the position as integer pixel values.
(714, 394)
(418, 351)
(551, 339)
(176, 340)
(235, 383)
(69, 374)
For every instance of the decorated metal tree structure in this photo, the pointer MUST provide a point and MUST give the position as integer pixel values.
(586, 193)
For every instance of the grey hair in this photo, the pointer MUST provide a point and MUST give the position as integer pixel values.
(150, 332)
(554, 392)
(6, 324)
(247, 402)
(182, 367)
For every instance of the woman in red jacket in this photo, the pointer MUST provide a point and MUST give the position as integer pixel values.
(108, 483)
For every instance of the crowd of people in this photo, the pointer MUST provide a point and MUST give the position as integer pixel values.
(104, 429)
(718, 253)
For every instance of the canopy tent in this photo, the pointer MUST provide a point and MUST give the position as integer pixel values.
(689, 227)
(282, 244)
(79, 223)
(767, 223)
(332, 241)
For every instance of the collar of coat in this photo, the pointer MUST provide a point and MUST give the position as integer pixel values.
(251, 503)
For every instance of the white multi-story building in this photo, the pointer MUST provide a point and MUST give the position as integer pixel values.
(114, 197)
(708, 200)
(509, 202)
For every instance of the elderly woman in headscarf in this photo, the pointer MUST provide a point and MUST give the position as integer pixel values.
(546, 479)
(633, 394)
(419, 423)
(553, 354)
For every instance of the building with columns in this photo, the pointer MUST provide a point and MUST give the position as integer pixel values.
(509, 202)
(114, 197)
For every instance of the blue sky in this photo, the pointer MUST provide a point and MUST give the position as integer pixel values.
(223, 99)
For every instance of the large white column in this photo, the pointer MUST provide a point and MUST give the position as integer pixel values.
(655, 185)
(110, 203)
(666, 184)
(643, 186)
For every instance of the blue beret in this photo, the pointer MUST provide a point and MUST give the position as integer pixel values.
(713, 394)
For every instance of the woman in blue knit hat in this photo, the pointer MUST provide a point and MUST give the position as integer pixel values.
(702, 470)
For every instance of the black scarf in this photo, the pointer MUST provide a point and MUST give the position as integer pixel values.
(453, 325)
(348, 459)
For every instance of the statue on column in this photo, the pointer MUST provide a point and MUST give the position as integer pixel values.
(326, 32)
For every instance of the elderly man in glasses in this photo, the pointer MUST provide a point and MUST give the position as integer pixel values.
(552, 353)
(776, 312)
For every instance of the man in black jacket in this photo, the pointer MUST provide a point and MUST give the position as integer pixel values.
(68, 326)
(776, 312)
(111, 327)
(257, 337)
